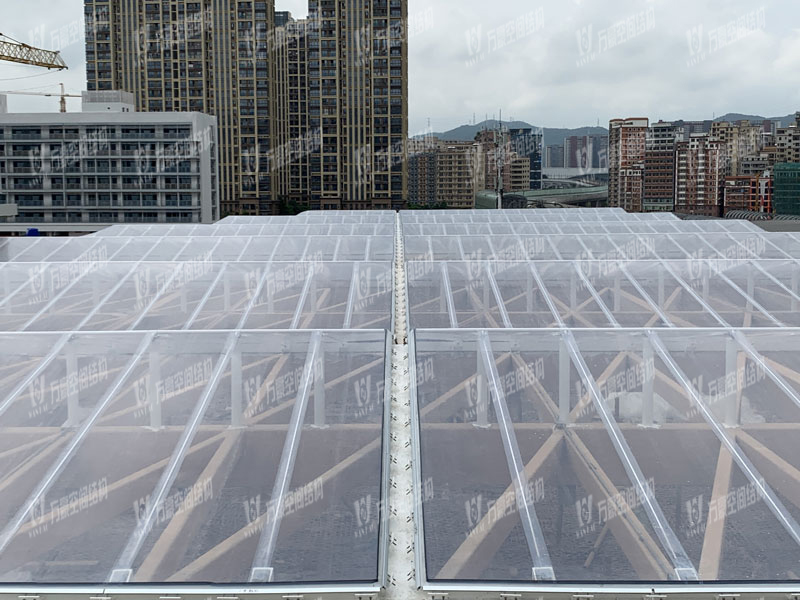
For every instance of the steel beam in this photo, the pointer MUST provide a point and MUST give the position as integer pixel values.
(501, 305)
(764, 490)
(683, 568)
(161, 291)
(262, 569)
(207, 295)
(57, 468)
(550, 304)
(542, 566)
(303, 298)
(351, 297)
(122, 571)
(448, 295)
(646, 297)
(593, 291)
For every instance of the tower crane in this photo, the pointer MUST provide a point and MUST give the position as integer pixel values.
(13, 51)
(62, 95)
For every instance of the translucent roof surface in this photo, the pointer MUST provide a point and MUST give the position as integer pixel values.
(596, 398)
(611, 398)
(198, 248)
(196, 404)
(566, 215)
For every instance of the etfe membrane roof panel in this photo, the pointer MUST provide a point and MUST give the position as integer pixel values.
(598, 399)
(196, 405)
(604, 400)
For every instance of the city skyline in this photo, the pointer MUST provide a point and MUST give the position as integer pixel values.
(560, 49)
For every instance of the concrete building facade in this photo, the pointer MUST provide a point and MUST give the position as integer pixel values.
(451, 174)
(659, 167)
(741, 140)
(179, 55)
(787, 143)
(748, 193)
(627, 140)
(109, 164)
(528, 144)
(358, 97)
(314, 111)
(700, 176)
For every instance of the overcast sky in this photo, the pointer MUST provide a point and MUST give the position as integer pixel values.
(553, 63)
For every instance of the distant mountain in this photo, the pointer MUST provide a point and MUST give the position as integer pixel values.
(467, 133)
(782, 121)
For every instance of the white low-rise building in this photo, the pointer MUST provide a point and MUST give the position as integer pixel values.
(79, 172)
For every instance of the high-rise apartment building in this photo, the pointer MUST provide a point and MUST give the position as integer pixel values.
(445, 173)
(300, 144)
(501, 164)
(787, 142)
(700, 175)
(748, 193)
(626, 156)
(659, 166)
(315, 111)
(528, 144)
(741, 140)
(216, 58)
(422, 178)
(358, 97)
(516, 173)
